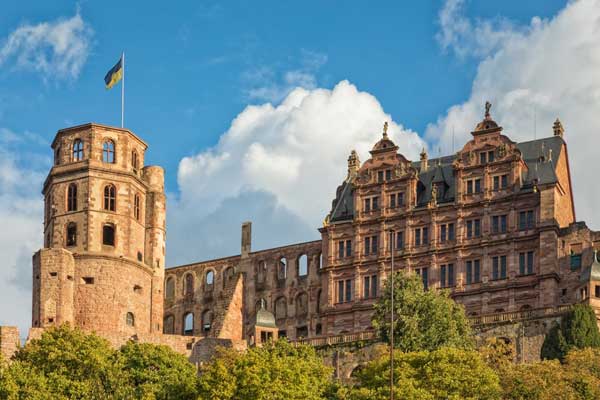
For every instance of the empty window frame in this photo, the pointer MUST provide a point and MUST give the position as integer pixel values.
(72, 197)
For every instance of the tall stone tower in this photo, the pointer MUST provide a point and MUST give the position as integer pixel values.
(102, 265)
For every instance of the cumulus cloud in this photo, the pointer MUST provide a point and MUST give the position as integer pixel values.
(21, 213)
(539, 72)
(293, 154)
(56, 49)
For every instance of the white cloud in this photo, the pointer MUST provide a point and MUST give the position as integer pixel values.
(548, 69)
(56, 49)
(295, 152)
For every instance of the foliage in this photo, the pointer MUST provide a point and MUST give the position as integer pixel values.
(157, 372)
(275, 371)
(446, 373)
(497, 353)
(577, 330)
(423, 320)
(19, 381)
(74, 364)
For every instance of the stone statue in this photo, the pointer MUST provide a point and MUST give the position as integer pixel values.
(488, 105)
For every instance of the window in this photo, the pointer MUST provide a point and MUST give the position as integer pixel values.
(282, 269)
(72, 197)
(396, 200)
(379, 176)
(318, 305)
(280, 308)
(473, 228)
(597, 290)
(526, 220)
(482, 157)
(491, 156)
(498, 267)
(421, 236)
(344, 290)
(136, 207)
(424, 274)
(526, 263)
(477, 185)
(303, 265)
(473, 268)
(77, 150)
(370, 286)
(399, 244)
(109, 198)
(318, 329)
(499, 224)
(129, 319)
(57, 156)
(207, 318)
(134, 161)
(108, 235)
(188, 324)
(88, 280)
(371, 244)
(169, 325)
(261, 273)
(108, 152)
(188, 288)
(344, 248)
(575, 261)
(302, 305)
(209, 278)
(169, 288)
(447, 232)
(371, 203)
(500, 182)
(301, 332)
(447, 275)
(388, 174)
(474, 186)
(72, 234)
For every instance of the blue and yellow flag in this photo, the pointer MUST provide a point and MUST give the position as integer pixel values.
(114, 75)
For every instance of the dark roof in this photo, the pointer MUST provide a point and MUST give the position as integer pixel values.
(536, 154)
(591, 272)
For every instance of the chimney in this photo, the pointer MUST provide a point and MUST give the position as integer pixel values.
(424, 164)
(558, 128)
(246, 239)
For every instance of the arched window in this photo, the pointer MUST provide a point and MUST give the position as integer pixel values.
(108, 235)
(318, 306)
(188, 324)
(280, 308)
(209, 279)
(77, 150)
(227, 275)
(110, 198)
(170, 288)
(303, 265)
(282, 269)
(72, 197)
(320, 260)
(134, 161)
(189, 285)
(108, 152)
(72, 234)
(169, 325)
(261, 274)
(302, 305)
(57, 156)
(207, 318)
(130, 319)
(136, 207)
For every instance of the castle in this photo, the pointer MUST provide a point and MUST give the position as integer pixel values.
(494, 223)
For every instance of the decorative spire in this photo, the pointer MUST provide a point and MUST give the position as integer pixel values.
(353, 164)
(385, 129)
(558, 128)
(488, 105)
(424, 164)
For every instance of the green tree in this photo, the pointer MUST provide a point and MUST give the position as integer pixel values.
(577, 330)
(446, 373)
(20, 381)
(275, 371)
(423, 319)
(157, 372)
(75, 365)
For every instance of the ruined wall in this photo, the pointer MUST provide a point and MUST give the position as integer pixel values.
(9, 341)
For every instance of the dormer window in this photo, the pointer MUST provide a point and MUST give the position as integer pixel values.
(379, 176)
(388, 174)
(486, 157)
(108, 152)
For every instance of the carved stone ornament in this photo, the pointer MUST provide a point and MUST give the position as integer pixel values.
(502, 151)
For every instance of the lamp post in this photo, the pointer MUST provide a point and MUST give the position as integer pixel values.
(392, 234)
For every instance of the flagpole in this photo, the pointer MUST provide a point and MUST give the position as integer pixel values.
(123, 92)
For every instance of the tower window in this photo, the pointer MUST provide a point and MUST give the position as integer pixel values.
(136, 207)
(72, 234)
(134, 161)
(77, 150)
(72, 197)
(140, 256)
(130, 319)
(108, 152)
(110, 198)
(108, 235)
(57, 156)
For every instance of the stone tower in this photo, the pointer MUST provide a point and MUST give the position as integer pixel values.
(102, 265)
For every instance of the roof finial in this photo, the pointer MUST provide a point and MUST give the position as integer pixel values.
(558, 128)
(488, 105)
(385, 129)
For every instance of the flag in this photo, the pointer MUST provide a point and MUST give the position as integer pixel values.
(114, 75)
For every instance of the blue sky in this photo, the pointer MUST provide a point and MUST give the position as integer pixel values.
(253, 107)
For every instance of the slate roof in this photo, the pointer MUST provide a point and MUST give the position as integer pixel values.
(535, 154)
(591, 272)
